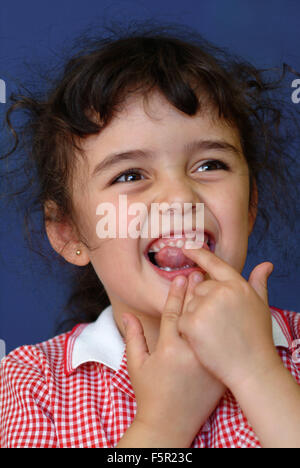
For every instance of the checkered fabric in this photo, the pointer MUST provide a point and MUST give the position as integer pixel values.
(44, 402)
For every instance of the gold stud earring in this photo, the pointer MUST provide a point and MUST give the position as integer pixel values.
(78, 252)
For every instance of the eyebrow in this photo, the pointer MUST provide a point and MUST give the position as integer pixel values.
(189, 149)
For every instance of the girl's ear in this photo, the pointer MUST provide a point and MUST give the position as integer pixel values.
(63, 238)
(253, 207)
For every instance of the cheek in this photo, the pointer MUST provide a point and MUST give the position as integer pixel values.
(235, 213)
(232, 216)
(236, 207)
(116, 259)
(229, 204)
(119, 268)
(111, 219)
(103, 221)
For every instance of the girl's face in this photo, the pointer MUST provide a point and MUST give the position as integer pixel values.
(167, 165)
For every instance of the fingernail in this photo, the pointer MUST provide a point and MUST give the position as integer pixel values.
(193, 244)
(189, 245)
(197, 277)
(179, 281)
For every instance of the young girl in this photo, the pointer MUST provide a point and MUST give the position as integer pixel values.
(181, 351)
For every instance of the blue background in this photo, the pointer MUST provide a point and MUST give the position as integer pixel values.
(264, 32)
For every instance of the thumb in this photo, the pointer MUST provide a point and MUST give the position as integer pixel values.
(258, 279)
(136, 345)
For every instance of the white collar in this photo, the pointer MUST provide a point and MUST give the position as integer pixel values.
(102, 342)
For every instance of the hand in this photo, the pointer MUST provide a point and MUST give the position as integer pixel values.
(174, 393)
(228, 321)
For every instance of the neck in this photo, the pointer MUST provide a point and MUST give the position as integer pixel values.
(150, 323)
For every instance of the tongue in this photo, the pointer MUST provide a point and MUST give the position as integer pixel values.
(172, 257)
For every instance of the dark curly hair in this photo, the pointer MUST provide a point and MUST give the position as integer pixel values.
(137, 59)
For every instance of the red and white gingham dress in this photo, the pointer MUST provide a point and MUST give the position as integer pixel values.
(74, 391)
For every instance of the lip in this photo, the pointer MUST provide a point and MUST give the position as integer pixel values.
(170, 275)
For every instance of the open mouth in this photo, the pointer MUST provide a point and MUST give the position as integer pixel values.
(167, 259)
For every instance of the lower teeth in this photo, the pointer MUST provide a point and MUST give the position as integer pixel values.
(174, 269)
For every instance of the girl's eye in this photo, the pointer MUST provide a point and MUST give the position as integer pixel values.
(131, 175)
(212, 163)
(134, 175)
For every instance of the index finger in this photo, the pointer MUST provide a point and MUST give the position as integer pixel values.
(193, 279)
(173, 307)
(217, 268)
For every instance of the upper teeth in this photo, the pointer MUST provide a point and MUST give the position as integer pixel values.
(179, 243)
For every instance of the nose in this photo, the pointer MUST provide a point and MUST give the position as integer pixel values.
(177, 190)
(178, 197)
